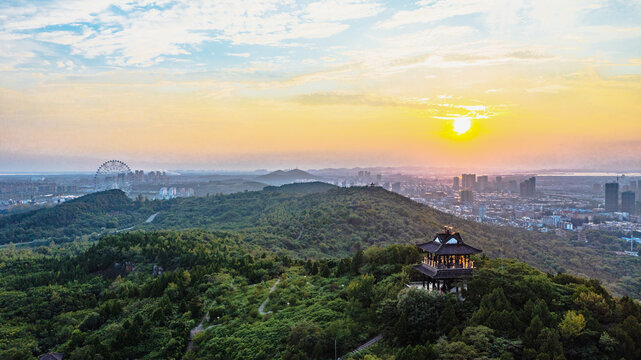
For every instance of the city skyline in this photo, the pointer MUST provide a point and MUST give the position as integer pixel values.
(497, 85)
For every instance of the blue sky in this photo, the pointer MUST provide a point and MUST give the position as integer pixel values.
(92, 36)
(81, 75)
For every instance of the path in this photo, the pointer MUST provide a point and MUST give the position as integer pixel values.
(151, 218)
(125, 229)
(369, 343)
(196, 330)
(45, 241)
(201, 327)
(261, 308)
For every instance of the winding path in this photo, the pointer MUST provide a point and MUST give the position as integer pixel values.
(261, 308)
(152, 217)
(198, 329)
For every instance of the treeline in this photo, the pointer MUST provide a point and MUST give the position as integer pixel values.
(88, 215)
(138, 295)
(316, 220)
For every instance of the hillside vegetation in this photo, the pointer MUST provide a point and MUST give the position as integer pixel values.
(112, 301)
(333, 221)
(317, 220)
(89, 214)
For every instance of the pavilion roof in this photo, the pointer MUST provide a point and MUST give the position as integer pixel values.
(448, 243)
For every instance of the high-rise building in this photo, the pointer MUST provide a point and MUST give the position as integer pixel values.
(455, 183)
(527, 188)
(482, 182)
(512, 186)
(396, 187)
(467, 196)
(612, 197)
(469, 181)
(482, 211)
(628, 202)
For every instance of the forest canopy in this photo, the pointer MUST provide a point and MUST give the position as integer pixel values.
(139, 295)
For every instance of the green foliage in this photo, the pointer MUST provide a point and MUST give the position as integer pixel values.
(88, 215)
(316, 220)
(572, 325)
(76, 300)
(139, 294)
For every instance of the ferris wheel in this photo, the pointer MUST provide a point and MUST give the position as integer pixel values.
(113, 174)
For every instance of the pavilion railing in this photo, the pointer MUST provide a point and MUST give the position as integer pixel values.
(441, 266)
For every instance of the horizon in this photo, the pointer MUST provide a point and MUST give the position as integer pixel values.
(512, 85)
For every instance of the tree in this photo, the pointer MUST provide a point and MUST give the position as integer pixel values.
(324, 270)
(548, 342)
(628, 334)
(496, 312)
(456, 350)
(362, 289)
(416, 313)
(357, 261)
(418, 352)
(447, 320)
(572, 325)
(532, 332)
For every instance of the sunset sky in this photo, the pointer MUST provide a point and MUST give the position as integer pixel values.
(192, 84)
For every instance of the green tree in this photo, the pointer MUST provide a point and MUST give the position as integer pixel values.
(357, 261)
(572, 325)
(548, 342)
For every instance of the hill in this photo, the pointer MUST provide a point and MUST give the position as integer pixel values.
(316, 220)
(196, 295)
(85, 215)
(338, 221)
(226, 186)
(280, 177)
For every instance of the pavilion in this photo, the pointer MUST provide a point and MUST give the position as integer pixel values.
(446, 262)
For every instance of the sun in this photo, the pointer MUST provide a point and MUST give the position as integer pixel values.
(461, 125)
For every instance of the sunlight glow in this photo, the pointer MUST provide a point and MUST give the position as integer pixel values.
(461, 125)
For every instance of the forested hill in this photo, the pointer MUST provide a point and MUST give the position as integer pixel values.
(333, 221)
(317, 220)
(89, 214)
(206, 295)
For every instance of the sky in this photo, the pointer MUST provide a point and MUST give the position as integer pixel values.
(226, 84)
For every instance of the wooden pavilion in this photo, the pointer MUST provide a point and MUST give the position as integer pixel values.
(446, 262)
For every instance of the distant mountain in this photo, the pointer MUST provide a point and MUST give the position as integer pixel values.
(283, 177)
(302, 188)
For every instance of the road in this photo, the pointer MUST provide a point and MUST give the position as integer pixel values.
(261, 308)
(151, 218)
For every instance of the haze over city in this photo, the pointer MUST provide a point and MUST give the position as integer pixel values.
(516, 85)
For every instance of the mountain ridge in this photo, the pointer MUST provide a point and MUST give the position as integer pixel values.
(316, 220)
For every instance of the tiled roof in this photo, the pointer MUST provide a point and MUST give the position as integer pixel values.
(449, 243)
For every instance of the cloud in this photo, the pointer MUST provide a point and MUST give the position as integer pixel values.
(140, 32)
(431, 11)
(546, 89)
(244, 55)
(339, 10)
(356, 99)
